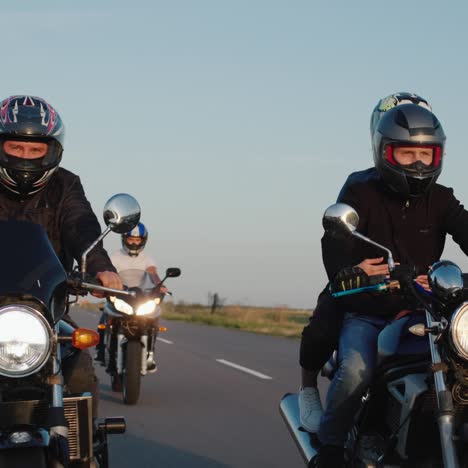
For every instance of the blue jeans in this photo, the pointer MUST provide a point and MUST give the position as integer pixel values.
(357, 357)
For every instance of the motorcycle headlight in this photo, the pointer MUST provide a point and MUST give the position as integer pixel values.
(459, 330)
(148, 307)
(25, 341)
(123, 306)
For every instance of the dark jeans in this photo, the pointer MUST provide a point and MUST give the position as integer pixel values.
(357, 357)
(320, 337)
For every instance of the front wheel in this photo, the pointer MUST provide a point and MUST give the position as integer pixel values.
(132, 373)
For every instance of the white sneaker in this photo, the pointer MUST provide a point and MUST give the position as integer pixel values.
(151, 363)
(310, 409)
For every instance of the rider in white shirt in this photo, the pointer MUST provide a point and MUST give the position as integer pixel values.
(132, 257)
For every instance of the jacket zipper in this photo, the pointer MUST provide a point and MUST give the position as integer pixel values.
(405, 207)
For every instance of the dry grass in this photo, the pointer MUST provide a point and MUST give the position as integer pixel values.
(91, 306)
(279, 321)
(272, 321)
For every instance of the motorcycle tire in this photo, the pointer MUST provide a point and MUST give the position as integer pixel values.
(132, 373)
(26, 458)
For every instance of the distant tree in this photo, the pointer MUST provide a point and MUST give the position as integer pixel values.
(215, 301)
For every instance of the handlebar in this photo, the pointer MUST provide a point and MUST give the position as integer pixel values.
(384, 286)
(402, 278)
(114, 292)
(82, 288)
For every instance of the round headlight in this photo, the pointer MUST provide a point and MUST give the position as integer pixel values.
(459, 330)
(25, 341)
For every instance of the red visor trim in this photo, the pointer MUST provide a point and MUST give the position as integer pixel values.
(389, 155)
(436, 159)
(437, 156)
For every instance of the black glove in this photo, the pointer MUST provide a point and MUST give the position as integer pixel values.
(349, 278)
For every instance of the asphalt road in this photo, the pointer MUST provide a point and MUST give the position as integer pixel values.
(200, 409)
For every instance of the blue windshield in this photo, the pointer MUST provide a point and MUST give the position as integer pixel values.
(29, 266)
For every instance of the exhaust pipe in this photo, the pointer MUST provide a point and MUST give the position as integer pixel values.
(289, 409)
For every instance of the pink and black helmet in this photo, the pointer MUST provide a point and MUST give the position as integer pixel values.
(29, 118)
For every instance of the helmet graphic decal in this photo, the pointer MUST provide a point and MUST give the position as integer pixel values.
(10, 109)
(29, 118)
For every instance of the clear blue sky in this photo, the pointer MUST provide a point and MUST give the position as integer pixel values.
(235, 123)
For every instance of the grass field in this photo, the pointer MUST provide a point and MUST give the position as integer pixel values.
(279, 321)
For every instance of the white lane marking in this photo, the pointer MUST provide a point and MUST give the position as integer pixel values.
(164, 340)
(91, 314)
(244, 369)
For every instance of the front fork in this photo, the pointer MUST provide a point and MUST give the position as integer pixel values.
(57, 422)
(445, 413)
(119, 363)
(144, 353)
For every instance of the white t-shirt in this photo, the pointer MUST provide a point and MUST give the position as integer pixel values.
(122, 261)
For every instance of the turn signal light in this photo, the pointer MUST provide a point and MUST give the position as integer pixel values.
(162, 329)
(83, 338)
(101, 326)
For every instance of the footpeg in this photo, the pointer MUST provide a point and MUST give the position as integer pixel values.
(115, 425)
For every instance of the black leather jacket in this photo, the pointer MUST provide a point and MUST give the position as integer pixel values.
(62, 208)
(414, 229)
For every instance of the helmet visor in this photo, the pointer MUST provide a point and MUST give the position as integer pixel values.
(134, 240)
(414, 158)
(14, 154)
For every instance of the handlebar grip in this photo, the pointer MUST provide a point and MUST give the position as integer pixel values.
(375, 287)
(390, 285)
(377, 279)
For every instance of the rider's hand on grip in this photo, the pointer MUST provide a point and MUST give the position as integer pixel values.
(403, 273)
(349, 278)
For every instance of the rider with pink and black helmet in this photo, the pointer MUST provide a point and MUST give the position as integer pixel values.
(34, 188)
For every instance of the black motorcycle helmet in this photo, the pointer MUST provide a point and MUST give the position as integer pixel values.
(403, 126)
(391, 101)
(29, 119)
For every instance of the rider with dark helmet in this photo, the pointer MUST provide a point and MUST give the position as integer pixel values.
(320, 336)
(415, 127)
(34, 188)
(404, 209)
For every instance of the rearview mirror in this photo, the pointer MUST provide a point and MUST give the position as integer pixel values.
(173, 272)
(121, 213)
(340, 220)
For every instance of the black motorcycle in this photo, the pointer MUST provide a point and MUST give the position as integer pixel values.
(415, 413)
(40, 424)
(129, 331)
